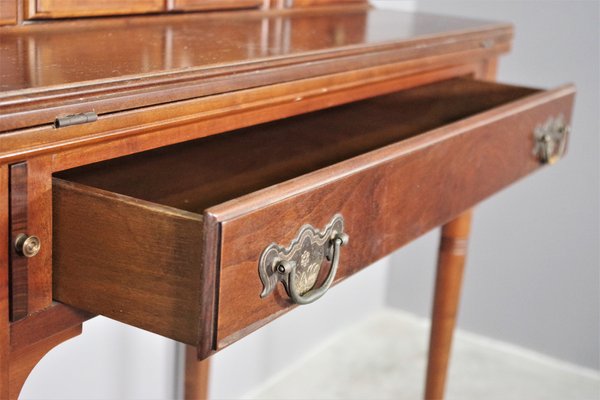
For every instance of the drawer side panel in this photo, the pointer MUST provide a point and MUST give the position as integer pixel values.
(133, 261)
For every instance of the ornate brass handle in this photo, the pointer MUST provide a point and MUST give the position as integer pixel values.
(315, 294)
(298, 266)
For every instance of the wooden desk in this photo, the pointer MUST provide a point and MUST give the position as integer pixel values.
(198, 175)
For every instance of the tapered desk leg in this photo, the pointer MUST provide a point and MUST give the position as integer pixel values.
(196, 375)
(451, 261)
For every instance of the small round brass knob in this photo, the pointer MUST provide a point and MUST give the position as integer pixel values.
(27, 246)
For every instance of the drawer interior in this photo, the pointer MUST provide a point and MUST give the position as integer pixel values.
(195, 175)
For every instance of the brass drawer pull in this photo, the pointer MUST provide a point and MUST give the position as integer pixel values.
(27, 246)
(298, 266)
(551, 139)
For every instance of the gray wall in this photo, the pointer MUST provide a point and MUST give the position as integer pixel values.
(533, 270)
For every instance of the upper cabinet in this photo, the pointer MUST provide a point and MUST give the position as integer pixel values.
(85, 8)
(11, 13)
(43, 9)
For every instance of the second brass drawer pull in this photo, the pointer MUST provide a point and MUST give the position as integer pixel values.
(298, 266)
(551, 139)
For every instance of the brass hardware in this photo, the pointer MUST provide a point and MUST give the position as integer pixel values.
(27, 246)
(551, 140)
(298, 265)
(75, 119)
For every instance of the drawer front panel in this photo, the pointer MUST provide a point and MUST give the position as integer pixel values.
(387, 198)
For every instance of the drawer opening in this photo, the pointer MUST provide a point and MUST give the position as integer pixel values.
(151, 240)
(195, 175)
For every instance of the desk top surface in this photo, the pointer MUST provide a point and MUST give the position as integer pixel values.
(109, 50)
(172, 57)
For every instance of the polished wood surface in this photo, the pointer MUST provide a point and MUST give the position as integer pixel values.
(159, 80)
(196, 176)
(84, 8)
(19, 270)
(137, 130)
(242, 39)
(44, 9)
(32, 337)
(310, 3)
(388, 197)
(451, 262)
(138, 263)
(8, 12)
(30, 214)
(23, 360)
(154, 60)
(39, 223)
(197, 375)
(186, 5)
(4, 283)
(55, 319)
(193, 176)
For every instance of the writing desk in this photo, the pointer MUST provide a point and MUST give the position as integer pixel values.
(199, 174)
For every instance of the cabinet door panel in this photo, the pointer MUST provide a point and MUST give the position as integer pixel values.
(309, 3)
(8, 12)
(80, 8)
(214, 4)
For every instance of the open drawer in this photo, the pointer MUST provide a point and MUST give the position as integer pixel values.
(183, 240)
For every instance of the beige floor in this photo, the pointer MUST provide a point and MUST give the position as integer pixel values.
(384, 358)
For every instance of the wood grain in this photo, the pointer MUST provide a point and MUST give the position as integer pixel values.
(451, 262)
(208, 288)
(186, 5)
(36, 327)
(4, 284)
(23, 360)
(8, 12)
(174, 78)
(196, 375)
(31, 213)
(312, 3)
(19, 265)
(252, 50)
(391, 157)
(31, 338)
(195, 175)
(130, 260)
(86, 8)
(134, 131)
(39, 221)
(388, 198)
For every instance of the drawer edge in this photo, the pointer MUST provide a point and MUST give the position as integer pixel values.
(262, 198)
